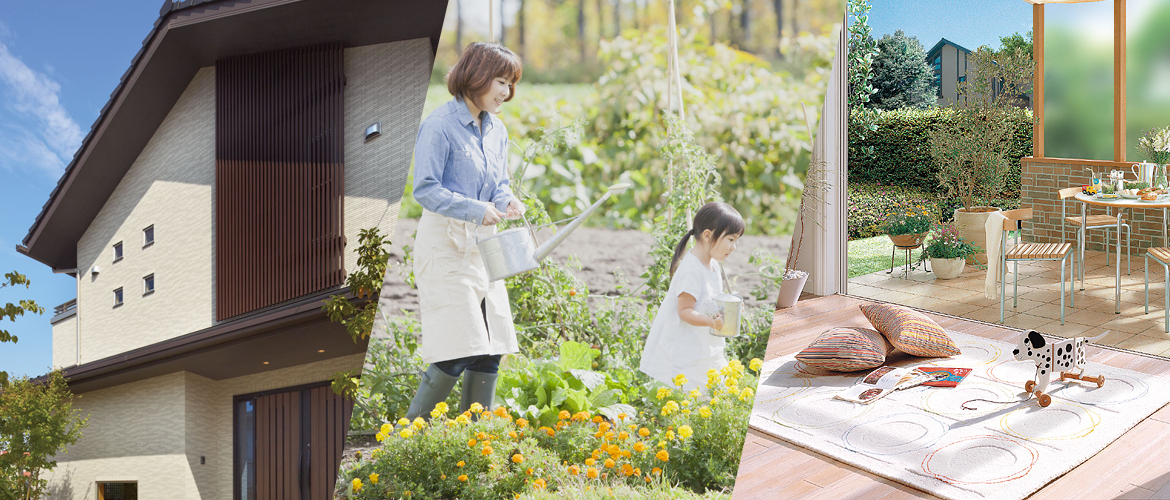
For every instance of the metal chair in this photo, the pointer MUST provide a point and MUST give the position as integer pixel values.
(1162, 256)
(1029, 251)
(1108, 221)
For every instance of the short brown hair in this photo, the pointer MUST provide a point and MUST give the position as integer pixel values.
(479, 64)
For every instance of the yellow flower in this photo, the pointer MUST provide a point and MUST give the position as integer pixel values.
(609, 463)
(406, 433)
(680, 380)
(712, 373)
(471, 442)
(357, 485)
(669, 408)
(622, 417)
(463, 477)
(374, 478)
(590, 461)
(705, 412)
(564, 415)
(550, 432)
(685, 403)
(686, 412)
(638, 471)
(512, 434)
(695, 394)
(685, 431)
(574, 470)
(442, 476)
(521, 423)
(451, 423)
(480, 436)
(418, 424)
(746, 394)
(591, 473)
(539, 484)
(463, 419)
(501, 412)
(756, 364)
(639, 447)
(386, 428)
(581, 416)
(663, 392)
(476, 408)
(643, 432)
(403, 422)
(380, 437)
(670, 435)
(529, 471)
(461, 463)
(518, 458)
(623, 435)
(487, 450)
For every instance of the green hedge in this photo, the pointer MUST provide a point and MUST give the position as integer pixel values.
(897, 153)
(869, 203)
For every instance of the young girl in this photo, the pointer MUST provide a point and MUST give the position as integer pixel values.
(679, 340)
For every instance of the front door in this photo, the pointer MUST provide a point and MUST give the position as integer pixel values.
(288, 443)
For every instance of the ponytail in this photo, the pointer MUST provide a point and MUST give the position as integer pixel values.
(679, 249)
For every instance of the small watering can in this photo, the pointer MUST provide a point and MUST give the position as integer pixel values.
(514, 251)
(730, 306)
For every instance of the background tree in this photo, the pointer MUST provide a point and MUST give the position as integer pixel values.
(862, 51)
(11, 311)
(901, 75)
(1016, 41)
(37, 421)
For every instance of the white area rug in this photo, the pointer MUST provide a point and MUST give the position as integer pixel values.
(922, 436)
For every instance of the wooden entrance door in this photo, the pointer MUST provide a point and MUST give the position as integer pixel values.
(289, 442)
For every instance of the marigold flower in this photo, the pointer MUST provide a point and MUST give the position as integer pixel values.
(647, 479)
(418, 424)
(451, 423)
(463, 419)
(609, 463)
(669, 408)
(357, 484)
(501, 412)
(622, 417)
(521, 423)
(590, 461)
(746, 394)
(374, 478)
(561, 424)
(663, 392)
(603, 427)
(471, 442)
(461, 463)
(639, 447)
(480, 436)
(596, 454)
(756, 364)
(712, 373)
(380, 437)
(695, 394)
(476, 408)
(614, 450)
(463, 477)
(386, 428)
(403, 422)
(539, 484)
(638, 471)
(670, 435)
(564, 415)
(513, 435)
(609, 435)
(529, 471)
(591, 473)
(550, 432)
(623, 435)
(680, 380)
(597, 419)
(406, 433)
(704, 412)
(581, 416)
(574, 470)
(662, 455)
(685, 431)
(627, 470)
(643, 432)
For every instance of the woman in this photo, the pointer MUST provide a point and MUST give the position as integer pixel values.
(461, 180)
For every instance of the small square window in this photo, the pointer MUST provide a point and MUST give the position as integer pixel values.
(148, 285)
(117, 297)
(148, 236)
(117, 251)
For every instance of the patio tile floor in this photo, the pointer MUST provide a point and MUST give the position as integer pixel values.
(1039, 300)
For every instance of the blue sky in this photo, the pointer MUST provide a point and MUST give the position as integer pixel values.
(969, 23)
(59, 61)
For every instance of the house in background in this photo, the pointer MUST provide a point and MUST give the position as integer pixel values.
(948, 60)
(213, 206)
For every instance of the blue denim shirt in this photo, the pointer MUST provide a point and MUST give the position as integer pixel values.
(458, 171)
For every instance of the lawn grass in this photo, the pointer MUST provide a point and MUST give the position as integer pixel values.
(867, 255)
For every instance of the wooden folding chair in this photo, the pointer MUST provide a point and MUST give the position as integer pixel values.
(1107, 222)
(1029, 251)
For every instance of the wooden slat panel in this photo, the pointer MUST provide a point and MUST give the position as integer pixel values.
(279, 177)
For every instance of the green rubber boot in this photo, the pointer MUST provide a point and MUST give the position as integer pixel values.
(478, 387)
(433, 388)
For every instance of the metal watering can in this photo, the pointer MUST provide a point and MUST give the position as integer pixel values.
(730, 306)
(514, 251)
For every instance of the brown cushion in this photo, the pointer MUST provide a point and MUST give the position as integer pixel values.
(910, 331)
(846, 349)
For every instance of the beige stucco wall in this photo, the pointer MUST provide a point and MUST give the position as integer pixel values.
(954, 65)
(65, 342)
(170, 185)
(155, 432)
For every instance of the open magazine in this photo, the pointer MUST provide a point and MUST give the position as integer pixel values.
(883, 381)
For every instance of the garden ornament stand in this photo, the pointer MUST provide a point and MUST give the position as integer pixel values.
(1062, 356)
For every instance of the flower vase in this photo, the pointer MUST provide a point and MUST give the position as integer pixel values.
(1160, 181)
(790, 288)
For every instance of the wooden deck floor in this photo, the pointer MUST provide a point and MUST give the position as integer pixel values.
(1136, 466)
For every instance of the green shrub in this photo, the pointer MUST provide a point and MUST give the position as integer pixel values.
(868, 204)
(896, 153)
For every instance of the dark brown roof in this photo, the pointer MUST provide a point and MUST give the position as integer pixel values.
(189, 35)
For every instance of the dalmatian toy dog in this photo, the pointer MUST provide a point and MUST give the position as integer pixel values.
(1060, 356)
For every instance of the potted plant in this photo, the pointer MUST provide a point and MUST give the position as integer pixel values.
(908, 225)
(816, 185)
(948, 252)
(971, 149)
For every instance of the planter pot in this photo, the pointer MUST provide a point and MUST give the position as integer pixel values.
(790, 288)
(907, 240)
(945, 269)
(971, 228)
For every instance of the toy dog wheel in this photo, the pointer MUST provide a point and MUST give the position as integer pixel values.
(1029, 385)
(1044, 400)
(1100, 381)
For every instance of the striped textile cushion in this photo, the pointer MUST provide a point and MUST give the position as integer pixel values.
(910, 331)
(846, 349)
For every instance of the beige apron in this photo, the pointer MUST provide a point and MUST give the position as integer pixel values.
(452, 281)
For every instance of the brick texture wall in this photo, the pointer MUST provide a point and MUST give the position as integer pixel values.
(1041, 178)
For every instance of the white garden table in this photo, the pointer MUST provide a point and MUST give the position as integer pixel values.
(1119, 204)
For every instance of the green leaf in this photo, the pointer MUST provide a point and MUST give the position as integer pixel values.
(577, 356)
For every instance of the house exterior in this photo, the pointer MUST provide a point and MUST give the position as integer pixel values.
(948, 60)
(214, 204)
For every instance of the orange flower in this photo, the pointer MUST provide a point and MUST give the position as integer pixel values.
(551, 432)
(627, 470)
(597, 419)
(644, 432)
(609, 463)
(590, 461)
(623, 435)
(501, 412)
(574, 470)
(529, 471)
(647, 479)
(661, 455)
(657, 471)
(521, 423)
(564, 415)
(639, 447)
(487, 450)
(512, 434)
(471, 443)
(622, 416)
(518, 458)
(463, 477)
(539, 484)
(480, 436)
(591, 473)
(603, 427)
(461, 463)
